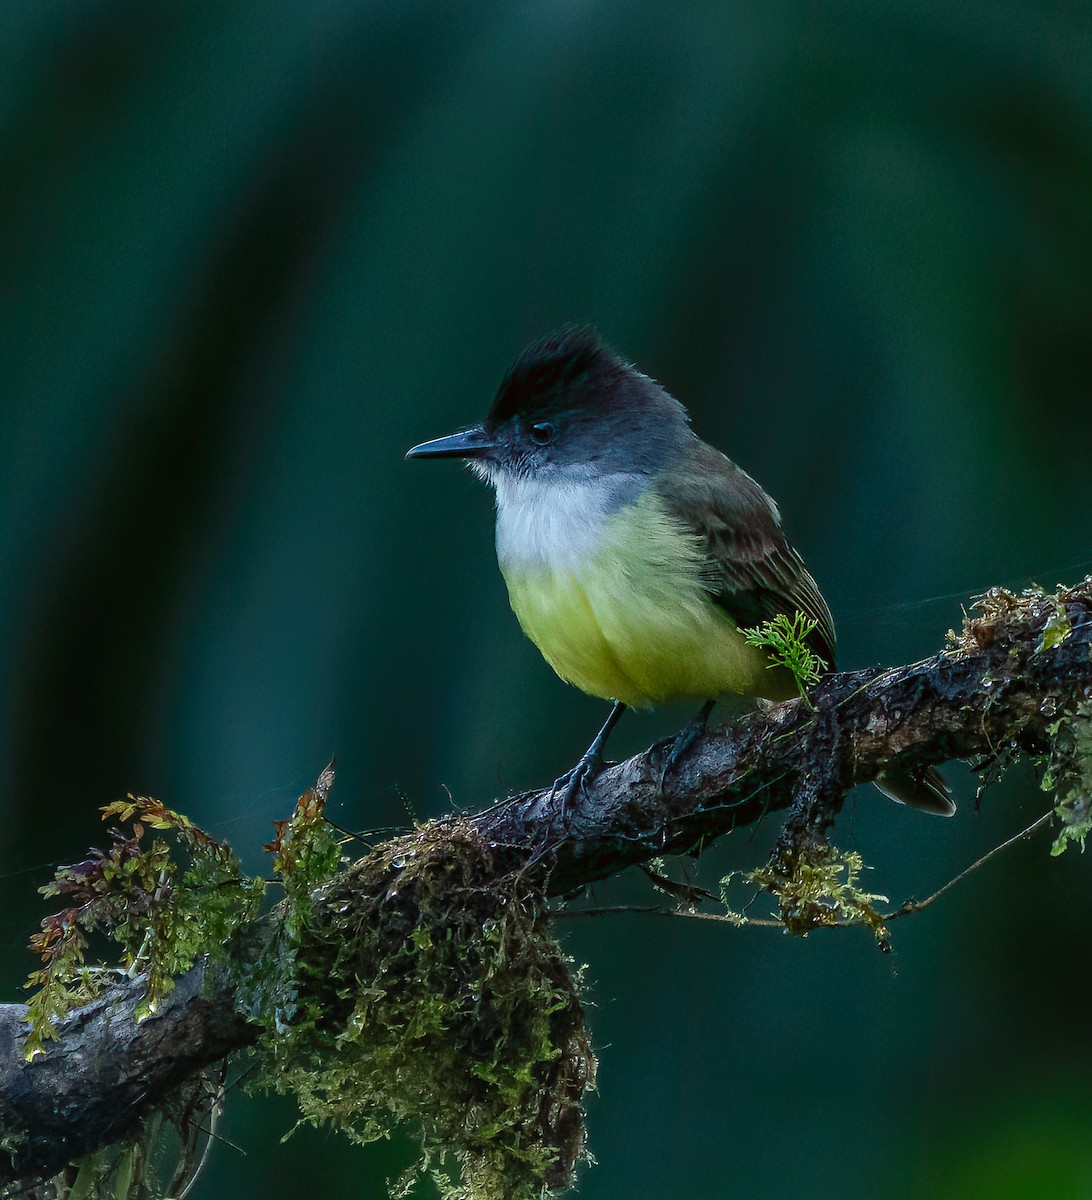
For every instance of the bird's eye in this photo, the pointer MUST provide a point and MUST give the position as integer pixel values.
(542, 432)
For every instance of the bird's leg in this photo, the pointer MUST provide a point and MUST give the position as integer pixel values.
(574, 781)
(684, 739)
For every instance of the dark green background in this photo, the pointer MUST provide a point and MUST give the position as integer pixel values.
(250, 253)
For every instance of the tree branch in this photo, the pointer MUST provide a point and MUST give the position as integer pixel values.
(996, 691)
(108, 1070)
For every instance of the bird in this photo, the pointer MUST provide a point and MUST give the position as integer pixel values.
(634, 553)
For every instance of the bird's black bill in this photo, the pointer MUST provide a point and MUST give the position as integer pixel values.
(471, 443)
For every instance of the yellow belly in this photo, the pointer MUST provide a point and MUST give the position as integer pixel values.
(633, 622)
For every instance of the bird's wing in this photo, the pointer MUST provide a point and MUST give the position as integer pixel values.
(753, 573)
(751, 570)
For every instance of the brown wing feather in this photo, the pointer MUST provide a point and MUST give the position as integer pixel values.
(753, 574)
(752, 571)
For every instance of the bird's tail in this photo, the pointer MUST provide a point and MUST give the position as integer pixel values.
(925, 790)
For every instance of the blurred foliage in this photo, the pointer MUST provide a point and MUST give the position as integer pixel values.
(252, 253)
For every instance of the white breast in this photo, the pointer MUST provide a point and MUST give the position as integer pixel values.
(551, 522)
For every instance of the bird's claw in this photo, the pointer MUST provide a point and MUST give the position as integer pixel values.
(682, 741)
(574, 783)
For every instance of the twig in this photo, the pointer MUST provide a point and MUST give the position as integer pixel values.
(904, 910)
(913, 906)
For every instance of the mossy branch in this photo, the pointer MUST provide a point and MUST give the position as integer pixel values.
(995, 692)
(469, 893)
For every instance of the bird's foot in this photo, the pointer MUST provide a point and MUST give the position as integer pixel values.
(682, 742)
(574, 783)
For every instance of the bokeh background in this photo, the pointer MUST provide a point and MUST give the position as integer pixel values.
(250, 253)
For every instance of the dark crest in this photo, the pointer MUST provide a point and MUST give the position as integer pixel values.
(551, 368)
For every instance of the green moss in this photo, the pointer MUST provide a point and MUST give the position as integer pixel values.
(1068, 775)
(1057, 626)
(422, 985)
(816, 887)
(432, 992)
(1001, 612)
(160, 908)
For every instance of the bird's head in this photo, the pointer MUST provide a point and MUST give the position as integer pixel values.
(569, 406)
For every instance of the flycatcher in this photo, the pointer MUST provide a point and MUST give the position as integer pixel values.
(634, 552)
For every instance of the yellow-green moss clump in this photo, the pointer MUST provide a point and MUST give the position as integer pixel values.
(1068, 775)
(429, 989)
(816, 887)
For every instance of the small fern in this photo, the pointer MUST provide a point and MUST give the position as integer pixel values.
(785, 638)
